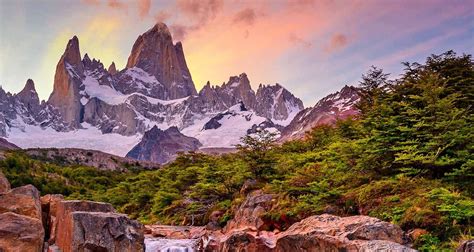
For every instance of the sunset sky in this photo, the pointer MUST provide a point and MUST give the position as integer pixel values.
(311, 47)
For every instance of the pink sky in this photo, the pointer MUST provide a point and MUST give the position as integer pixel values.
(310, 47)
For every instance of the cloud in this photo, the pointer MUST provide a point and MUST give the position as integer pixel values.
(337, 42)
(162, 16)
(92, 2)
(115, 4)
(144, 7)
(194, 14)
(180, 31)
(299, 41)
(200, 11)
(245, 16)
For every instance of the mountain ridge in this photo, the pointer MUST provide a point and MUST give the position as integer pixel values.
(105, 104)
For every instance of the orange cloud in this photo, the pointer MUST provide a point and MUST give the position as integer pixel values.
(337, 42)
(144, 7)
(246, 16)
(162, 16)
(115, 4)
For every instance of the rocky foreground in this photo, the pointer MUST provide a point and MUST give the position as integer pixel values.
(29, 222)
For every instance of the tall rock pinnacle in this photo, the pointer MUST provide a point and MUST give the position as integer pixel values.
(28, 95)
(112, 70)
(155, 53)
(67, 79)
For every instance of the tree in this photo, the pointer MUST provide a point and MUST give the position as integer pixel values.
(373, 85)
(255, 149)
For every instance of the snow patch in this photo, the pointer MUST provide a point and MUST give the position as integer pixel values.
(91, 138)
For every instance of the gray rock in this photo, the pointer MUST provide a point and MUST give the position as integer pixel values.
(162, 146)
(328, 110)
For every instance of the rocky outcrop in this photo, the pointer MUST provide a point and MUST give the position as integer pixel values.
(328, 110)
(67, 80)
(162, 146)
(87, 225)
(332, 233)
(23, 200)
(249, 214)
(21, 227)
(316, 233)
(246, 232)
(155, 53)
(20, 233)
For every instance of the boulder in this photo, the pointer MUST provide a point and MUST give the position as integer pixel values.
(95, 226)
(248, 215)
(24, 200)
(4, 184)
(245, 241)
(20, 233)
(332, 233)
(98, 231)
(49, 207)
(213, 223)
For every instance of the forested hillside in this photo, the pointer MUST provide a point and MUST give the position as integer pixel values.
(407, 158)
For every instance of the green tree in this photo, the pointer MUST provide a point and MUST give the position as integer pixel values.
(255, 149)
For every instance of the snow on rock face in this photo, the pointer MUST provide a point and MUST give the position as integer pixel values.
(277, 103)
(328, 110)
(87, 138)
(228, 127)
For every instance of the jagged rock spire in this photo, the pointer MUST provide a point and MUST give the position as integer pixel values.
(67, 79)
(112, 70)
(155, 53)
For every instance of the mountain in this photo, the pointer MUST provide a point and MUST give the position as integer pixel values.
(94, 107)
(162, 146)
(328, 110)
(155, 53)
(5, 145)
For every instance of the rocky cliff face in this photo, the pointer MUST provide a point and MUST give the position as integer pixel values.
(67, 79)
(277, 103)
(328, 110)
(155, 53)
(162, 146)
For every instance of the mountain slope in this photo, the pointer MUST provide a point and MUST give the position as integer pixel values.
(335, 106)
(162, 146)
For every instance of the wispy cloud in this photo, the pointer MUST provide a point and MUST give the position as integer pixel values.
(337, 42)
(246, 16)
(144, 7)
